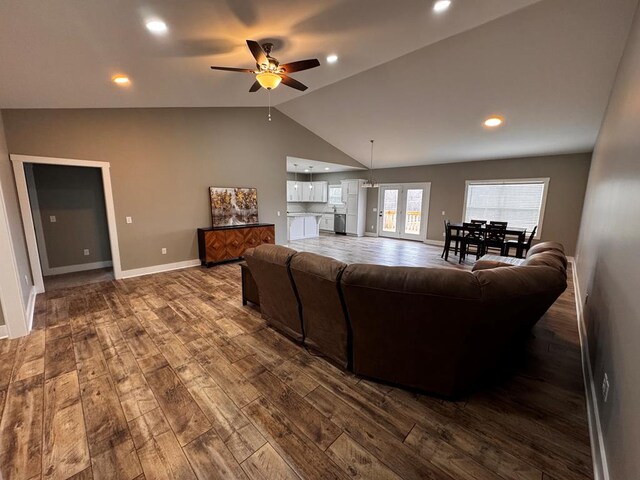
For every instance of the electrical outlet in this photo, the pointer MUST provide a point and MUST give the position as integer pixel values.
(605, 388)
(86, 252)
(443, 214)
(53, 219)
(164, 251)
(129, 220)
(278, 212)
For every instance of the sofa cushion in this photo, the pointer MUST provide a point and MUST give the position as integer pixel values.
(325, 325)
(269, 265)
(545, 246)
(550, 258)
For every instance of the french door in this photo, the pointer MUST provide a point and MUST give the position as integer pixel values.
(403, 210)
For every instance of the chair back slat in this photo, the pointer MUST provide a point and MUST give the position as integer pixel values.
(505, 224)
(479, 222)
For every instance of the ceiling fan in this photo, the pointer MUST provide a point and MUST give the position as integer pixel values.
(269, 73)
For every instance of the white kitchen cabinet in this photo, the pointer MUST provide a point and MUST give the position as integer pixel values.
(303, 226)
(307, 192)
(354, 195)
(294, 191)
(327, 222)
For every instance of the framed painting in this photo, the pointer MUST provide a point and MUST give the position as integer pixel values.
(233, 206)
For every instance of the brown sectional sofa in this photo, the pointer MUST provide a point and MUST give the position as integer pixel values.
(438, 330)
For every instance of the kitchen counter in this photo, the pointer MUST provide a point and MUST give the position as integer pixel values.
(304, 214)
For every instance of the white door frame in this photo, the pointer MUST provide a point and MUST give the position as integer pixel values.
(426, 186)
(11, 297)
(27, 218)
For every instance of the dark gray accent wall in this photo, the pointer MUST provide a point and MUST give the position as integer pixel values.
(75, 197)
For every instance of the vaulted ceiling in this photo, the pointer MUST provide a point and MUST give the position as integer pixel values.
(418, 82)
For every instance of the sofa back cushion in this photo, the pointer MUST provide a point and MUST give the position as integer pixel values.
(325, 325)
(411, 326)
(269, 265)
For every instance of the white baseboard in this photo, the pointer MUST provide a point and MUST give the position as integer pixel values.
(138, 272)
(438, 243)
(3, 331)
(31, 307)
(82, 267)
(370, 234)
(598, 452)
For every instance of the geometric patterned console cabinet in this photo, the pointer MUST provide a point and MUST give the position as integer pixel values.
(219, 244)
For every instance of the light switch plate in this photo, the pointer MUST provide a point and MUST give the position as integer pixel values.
(53, 219)
(129, 220)
(86, 252)
(164, 251)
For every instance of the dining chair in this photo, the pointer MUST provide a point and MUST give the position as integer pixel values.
(494, 237)
(473, 235)
(521, 247)
(479, 222)
(498, 223)
(449, 237)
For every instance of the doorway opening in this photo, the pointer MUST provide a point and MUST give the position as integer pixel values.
(69, 220)
(403, 210)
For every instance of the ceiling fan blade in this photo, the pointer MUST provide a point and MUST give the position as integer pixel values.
(255, 87)
(233, 69)
(300, 65)
(290, 82)
(257, 52)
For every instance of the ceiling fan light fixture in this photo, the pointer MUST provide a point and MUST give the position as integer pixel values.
(268, 80)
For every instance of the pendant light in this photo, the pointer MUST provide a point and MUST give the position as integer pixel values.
(370, 183)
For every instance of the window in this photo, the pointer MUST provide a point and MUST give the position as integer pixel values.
(335, 194)
(519, 202)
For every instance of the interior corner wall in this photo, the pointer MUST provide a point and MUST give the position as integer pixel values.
(164, 159)
(608, 266)
(16, 232)
(568, 181)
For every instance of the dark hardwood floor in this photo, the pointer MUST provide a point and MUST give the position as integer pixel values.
(168, 376)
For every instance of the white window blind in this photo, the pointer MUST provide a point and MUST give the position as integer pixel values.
(519, 202)
(335, 194)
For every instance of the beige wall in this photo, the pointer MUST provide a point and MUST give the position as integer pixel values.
(14, 218)
(74, 195)
(608, 260)
(1, 316)
(163, 160)
(568, 174)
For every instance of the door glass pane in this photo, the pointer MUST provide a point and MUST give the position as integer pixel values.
(414, 211)
(390, 211)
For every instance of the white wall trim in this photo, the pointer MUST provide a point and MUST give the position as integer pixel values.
(27, 217)
(437, 243)
(31, 307)
(598, 451)
(3, 332)
(11, 295)
(370, 234)
(81, 267)
(167, 267)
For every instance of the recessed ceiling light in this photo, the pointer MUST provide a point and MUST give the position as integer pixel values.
(441, 5)
(121, 80)
(157, 26)
(333, 58)
(493, 121)
(327, 168)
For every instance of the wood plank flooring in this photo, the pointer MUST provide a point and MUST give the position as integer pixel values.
(168, 376)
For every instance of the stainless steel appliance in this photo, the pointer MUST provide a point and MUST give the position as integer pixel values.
(340, 223)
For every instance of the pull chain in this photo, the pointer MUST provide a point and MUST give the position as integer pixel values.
(269, 92)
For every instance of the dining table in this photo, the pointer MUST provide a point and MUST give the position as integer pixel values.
(514, 231)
